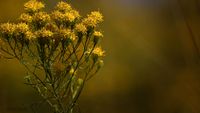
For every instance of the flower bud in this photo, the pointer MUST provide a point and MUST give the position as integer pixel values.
(97, 35)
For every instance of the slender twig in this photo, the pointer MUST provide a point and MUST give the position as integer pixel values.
(192, 36)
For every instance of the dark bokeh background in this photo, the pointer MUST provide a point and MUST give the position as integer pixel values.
(152, 63)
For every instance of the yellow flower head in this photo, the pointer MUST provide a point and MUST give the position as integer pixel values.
(63, 17)
(69, 17)
(73, 36)
(93, 19)
(42, 17)
(7, 28)
(67, 33)
(81, 28)
(90, 22)
(33, 6)
(26, 18)
(99, 52)
(63, 6)
(64, 33)
(96, 15)
(22, 28)
(29, 35)
(97, 34)
(75, 13)
(43, 33)
(57, 15)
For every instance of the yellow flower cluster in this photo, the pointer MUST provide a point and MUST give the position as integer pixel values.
(67, 34)
(41, 17)
(97, 34)
(63, 17)
(59, 43)
(36, 23)
(69, 17)
(96, 15)
(29, 35)
(7, 28)
(26, 18)
(33, 6)
(75, 13)
(21, 28)
(99, 52)
(44, 33)
(63, 6)
(64, 33)
(64, 13)
(81, 28)
(93, 19)
(17, 30)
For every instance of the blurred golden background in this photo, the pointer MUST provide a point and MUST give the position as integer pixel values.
(152, 62)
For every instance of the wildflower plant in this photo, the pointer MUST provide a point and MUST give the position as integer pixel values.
(60, 51)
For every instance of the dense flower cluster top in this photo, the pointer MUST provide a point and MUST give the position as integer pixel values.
(62, 43)
(61, 25)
